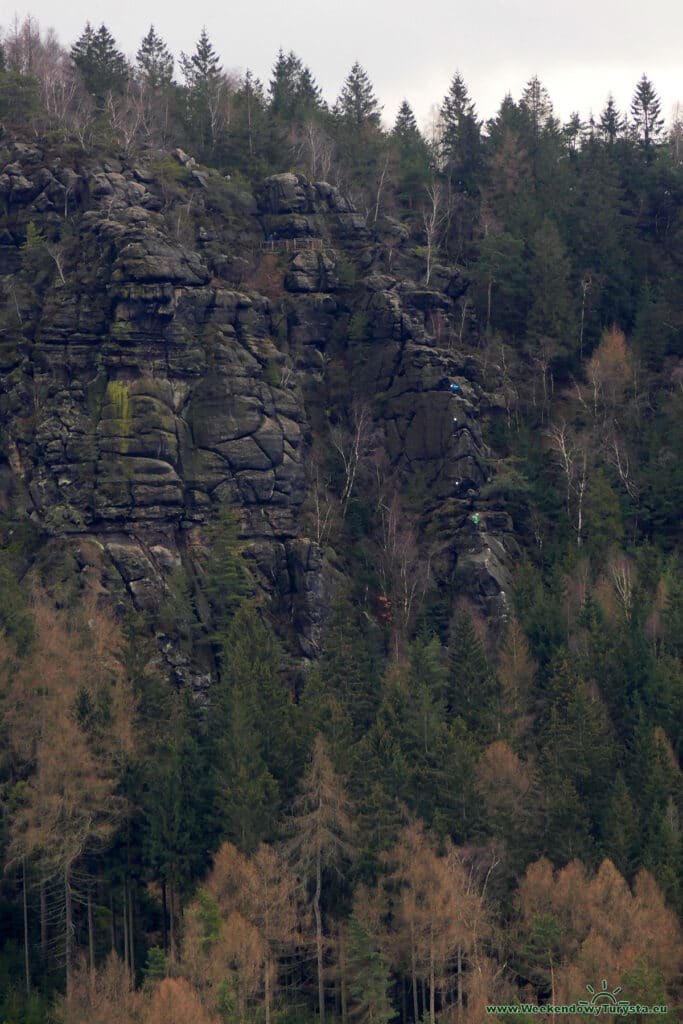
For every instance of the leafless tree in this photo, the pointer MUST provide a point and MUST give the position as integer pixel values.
(323, 505)
(354, 446)
(381, 181)
(622, 574)
(126, 116)
(435, 216)
(573, 459)
(404, 570)
(315, 149)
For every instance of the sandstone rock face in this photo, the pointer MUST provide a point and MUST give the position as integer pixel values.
(157, 366)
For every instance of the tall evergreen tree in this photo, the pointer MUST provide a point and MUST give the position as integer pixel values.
(103, 67)
(247, 795)
(251, 133)
(357, 105)
(227, 581)
(204, 84)
(251, 661)
(203, 66)
(405, 125)
(646, 113)
(154, 61)
(550, 318)
(536, 108)
(460, 137)
(472, 688)
(612, 122)
(368, 972)
(294, 93)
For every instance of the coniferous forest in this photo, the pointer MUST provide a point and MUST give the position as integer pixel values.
(341, 604)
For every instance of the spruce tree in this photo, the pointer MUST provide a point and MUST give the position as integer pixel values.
(413, 158)
(646, 113)
(536, 108)
(251, 133)
(357, 105)
(227, 582)
(103, 67)
(460, 137)
(405, 125)
(472, 688)
(247, 795)
(612, 122)
(154, 61)
(550, 318)
(251, 662)
(294, 93)
(203, 66)
(203, 81)
(573, 131)
(368, 972)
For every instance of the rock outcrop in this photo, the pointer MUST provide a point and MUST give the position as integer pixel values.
(158, 363)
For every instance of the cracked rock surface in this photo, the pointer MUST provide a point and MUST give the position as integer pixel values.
(159, 363)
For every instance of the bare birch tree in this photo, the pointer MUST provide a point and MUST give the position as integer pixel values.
(354, 446)
(436, 213)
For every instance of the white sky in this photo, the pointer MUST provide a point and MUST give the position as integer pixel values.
(580, 49)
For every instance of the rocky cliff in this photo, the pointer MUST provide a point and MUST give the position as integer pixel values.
(173, 342)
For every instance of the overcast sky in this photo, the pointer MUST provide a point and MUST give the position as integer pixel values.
(581, 50)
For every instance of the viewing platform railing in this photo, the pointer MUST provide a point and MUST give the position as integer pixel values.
(292, 244)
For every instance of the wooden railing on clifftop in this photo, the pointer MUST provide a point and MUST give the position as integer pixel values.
(292, 244)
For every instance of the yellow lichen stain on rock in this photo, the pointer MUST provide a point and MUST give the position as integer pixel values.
(118, 396)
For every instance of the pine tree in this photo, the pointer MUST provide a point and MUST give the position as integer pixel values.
(103, 67)
(604, 519)
(357, 105)
(646, 113)
(154, 61)
(256, 751)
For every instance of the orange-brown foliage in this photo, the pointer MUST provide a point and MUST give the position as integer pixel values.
(176, 1002)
